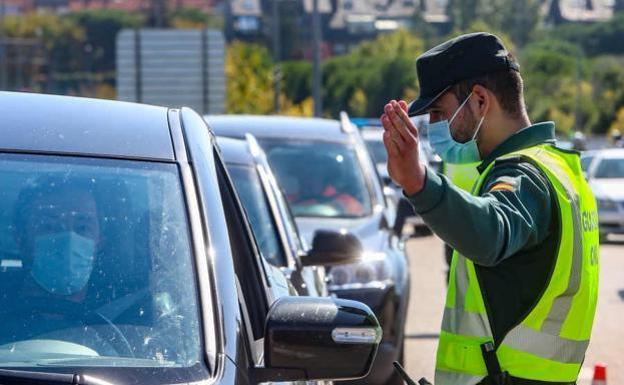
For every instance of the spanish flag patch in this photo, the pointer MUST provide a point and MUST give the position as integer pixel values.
(502, 187)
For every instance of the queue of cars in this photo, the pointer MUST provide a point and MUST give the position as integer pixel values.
(127, 257)
(330, 182)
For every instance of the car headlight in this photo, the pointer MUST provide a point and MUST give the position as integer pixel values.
(606, 205)
(373, 270)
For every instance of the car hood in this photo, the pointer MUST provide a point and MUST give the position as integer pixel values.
(612, 189)
(366, 229)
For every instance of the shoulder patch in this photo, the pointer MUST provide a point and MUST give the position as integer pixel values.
(503, 186)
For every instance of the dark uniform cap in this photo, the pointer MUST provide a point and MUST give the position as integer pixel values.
(465, 57)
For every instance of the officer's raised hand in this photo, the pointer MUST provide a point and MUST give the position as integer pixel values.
(401, 142)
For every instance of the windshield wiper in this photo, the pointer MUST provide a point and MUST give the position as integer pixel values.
(23, 377)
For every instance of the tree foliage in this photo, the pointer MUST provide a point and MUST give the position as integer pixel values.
(249, 73)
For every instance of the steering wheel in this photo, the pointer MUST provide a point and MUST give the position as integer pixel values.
(78, 312)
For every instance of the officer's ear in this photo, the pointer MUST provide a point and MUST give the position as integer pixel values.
(481, 100)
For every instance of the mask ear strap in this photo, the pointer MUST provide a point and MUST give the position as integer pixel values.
(460, 107)
(478, 128)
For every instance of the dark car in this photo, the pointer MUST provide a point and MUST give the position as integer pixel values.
(273, 225)
(330, 182)
(126, 258)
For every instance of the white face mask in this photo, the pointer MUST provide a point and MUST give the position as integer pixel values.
(63, 262)
(448, 148)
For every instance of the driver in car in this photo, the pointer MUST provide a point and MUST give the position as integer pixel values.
(57, 233)
(317, 189)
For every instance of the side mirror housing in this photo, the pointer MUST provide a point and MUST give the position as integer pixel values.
(330, 248)
(308, 338)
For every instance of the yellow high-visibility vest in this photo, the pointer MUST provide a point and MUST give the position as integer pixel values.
(549, 344)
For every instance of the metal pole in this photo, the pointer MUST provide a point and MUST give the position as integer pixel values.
(277, 70)
(316, 65)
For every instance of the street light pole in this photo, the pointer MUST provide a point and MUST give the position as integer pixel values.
(277, 70)
(316, 65)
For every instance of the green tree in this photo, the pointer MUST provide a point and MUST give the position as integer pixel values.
(556, 85)
(515, 18)
(382, 69)
(194, 18)
(297, 80)
(249, 76)
(101, 28)
(62, 42)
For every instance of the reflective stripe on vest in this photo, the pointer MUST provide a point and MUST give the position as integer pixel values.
(550, 343)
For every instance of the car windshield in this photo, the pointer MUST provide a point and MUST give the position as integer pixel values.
(586, 162)
(249, 189)
(612, 168)
(377, 150)
(320, 179)
(96, 268)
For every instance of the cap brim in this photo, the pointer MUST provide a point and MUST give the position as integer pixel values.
(420, 105)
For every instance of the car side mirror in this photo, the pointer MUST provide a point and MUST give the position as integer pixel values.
(330, 248)
(318, 338)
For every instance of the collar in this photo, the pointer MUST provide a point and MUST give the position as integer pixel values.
(530, 136)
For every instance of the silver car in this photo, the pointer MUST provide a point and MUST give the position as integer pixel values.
(605, 172)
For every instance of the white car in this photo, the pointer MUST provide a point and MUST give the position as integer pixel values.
(605, 172)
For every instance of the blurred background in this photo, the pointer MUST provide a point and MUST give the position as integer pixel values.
(280, 56)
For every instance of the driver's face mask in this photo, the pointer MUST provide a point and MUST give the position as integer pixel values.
(63, 262)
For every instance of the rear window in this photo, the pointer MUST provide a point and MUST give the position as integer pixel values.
(251, 193)
(610, 168)
(96, 268)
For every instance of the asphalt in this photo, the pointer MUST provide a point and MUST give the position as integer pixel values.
(428, 274)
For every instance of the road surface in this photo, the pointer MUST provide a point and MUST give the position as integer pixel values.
(427, 301)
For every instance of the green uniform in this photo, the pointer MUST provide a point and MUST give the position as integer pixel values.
(510, 244)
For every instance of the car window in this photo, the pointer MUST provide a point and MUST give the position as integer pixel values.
(92, 254)
(377, 150)
(249, 269)
(610, 168)
(586, 162)
(249, 188)
(320, 179)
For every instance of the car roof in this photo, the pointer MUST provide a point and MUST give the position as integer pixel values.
(235, 151)
(372, 134)
(276, 127)
(609, 153)
(72, 125)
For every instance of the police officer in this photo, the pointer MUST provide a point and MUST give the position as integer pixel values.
(524, 276)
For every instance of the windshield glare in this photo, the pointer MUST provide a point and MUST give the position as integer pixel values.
(249, 189)
(320, 179)
(610, 169)
(92, 254)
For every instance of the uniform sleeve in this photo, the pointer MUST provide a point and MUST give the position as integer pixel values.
(512, 213)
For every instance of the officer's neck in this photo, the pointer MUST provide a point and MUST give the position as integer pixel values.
(497, 129)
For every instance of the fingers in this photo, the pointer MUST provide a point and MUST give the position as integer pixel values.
(402, 112)
(385, 122)
(396, 121)
(391, 146)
